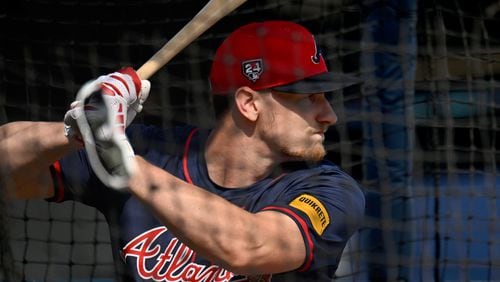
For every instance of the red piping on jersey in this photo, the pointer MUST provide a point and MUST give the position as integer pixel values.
(185, 156)
(303, 226)
(185, 166)
(60, 191)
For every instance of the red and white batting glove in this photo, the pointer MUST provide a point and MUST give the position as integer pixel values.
(71, 130)
(109, 153)
(123, 90)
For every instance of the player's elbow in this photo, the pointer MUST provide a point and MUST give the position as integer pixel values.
(239, 254)
(279, 248)
(242, 262)
(256, 259)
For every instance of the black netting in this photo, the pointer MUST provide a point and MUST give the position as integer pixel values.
(422, 133)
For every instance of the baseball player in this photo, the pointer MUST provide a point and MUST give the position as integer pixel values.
(249, 200)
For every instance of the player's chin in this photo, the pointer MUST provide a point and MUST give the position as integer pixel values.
(313, 153)
(317, 154)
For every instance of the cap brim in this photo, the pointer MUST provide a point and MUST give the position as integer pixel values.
(324, 82)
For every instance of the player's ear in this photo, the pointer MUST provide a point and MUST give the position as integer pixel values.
(246, 101)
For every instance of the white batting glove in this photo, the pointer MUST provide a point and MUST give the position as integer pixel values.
(123, 90)
(109, 153)
(71, 130)
(136, 107)
(127, 91)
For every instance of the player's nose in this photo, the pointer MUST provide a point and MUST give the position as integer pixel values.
(326, 114)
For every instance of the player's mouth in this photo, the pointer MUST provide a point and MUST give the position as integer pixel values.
(321, 134)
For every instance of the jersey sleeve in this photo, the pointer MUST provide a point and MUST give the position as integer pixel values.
(73, 179)
(328, 207)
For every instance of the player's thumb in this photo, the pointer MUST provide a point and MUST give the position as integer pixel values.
(145, 88)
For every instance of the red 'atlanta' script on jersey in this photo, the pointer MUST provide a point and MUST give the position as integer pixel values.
(181, 265)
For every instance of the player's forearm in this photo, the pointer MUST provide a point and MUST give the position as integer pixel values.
(27, 149)
(210, 225)
(185, 213)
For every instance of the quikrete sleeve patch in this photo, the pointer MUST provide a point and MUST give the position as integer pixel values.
(314, 209)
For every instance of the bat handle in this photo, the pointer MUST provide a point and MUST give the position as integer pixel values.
(148, 69)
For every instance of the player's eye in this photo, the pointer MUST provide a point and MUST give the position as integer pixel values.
(329, 96)
(315, 97)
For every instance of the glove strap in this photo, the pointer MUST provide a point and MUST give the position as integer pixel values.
(135, 78)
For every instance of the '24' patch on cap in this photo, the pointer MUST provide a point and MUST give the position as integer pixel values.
(314, 209)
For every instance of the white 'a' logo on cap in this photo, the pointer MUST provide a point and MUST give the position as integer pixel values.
(317, 53)
(252, 69)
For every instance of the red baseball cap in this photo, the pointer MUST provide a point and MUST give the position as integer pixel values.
(278, 55)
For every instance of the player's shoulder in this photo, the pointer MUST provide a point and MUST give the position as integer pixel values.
(328, 183)
(324, 168)
(321, 177)
(329, 168)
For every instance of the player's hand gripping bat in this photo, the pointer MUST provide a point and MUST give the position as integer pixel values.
(110, 155)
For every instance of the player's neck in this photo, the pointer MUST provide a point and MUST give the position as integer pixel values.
(235, 159)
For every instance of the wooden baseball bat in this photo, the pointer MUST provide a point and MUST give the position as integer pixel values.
(213, 11)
